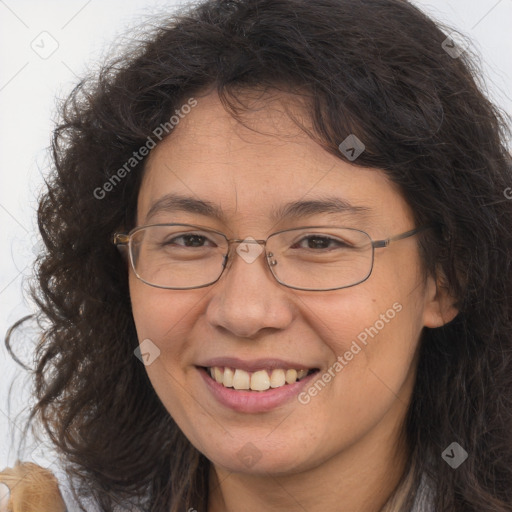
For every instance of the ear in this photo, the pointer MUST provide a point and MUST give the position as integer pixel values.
(439, 303)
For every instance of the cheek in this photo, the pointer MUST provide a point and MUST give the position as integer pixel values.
(158, 312)
(371, 329)
(164, 320)
(161, 315)
(372, 338)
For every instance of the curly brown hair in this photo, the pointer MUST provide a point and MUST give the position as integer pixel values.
(425, 123)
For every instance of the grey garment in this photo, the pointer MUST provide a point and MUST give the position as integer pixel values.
(423, 498)
(424, 501)
(71, 504)
(67, 495)
(89, 506)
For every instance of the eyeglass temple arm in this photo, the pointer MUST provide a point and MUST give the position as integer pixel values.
(407, 234)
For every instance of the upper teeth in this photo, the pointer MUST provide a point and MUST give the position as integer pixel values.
(256, 381)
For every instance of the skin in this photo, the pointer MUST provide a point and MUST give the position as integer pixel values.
(341, 447)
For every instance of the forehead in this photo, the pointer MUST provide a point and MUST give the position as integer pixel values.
(252, 173)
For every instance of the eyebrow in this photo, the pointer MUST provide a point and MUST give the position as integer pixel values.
(172, 203)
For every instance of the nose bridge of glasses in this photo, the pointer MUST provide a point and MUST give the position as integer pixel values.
(248, 240)
(244, 248)
(246, 253)
(249, 250)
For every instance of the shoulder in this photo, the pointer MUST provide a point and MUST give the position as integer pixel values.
(28, 487)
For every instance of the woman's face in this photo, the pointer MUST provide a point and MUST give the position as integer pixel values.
(362, 339)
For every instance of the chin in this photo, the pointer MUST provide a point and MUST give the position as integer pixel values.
(253, 458)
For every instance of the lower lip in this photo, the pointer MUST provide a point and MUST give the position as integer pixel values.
(254, 401)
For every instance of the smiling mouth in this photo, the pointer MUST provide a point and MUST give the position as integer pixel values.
(261, 380)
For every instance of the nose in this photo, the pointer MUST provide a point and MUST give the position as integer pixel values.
(247, 299)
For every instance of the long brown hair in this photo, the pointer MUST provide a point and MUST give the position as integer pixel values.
(376, 68)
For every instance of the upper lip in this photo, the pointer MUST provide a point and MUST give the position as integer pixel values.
(254, 364)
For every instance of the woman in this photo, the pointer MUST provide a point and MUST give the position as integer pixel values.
(277, 268)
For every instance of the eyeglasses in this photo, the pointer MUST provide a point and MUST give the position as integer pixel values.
(313, 258)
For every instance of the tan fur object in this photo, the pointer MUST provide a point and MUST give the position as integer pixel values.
(31, 488)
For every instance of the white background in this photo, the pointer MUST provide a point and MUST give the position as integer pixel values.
(30, 87)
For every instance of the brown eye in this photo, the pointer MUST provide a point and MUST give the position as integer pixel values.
(320, 242)
(192, 240)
